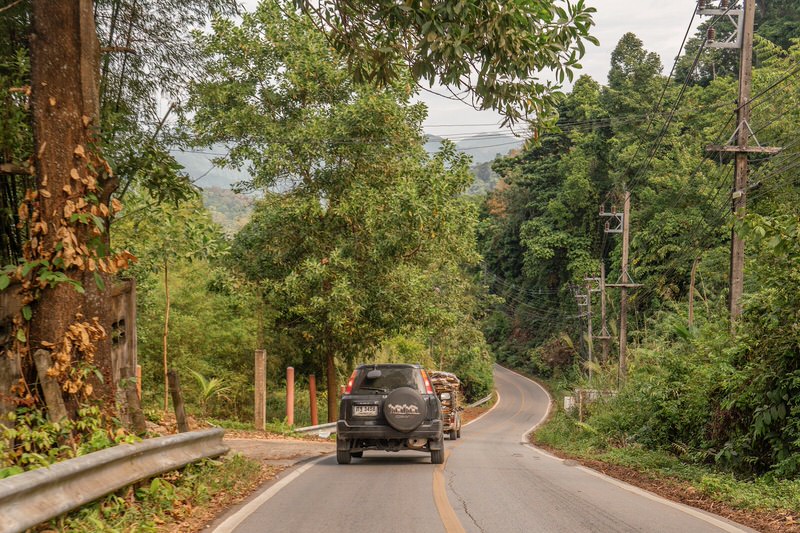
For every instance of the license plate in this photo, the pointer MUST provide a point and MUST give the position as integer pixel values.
(365, 410)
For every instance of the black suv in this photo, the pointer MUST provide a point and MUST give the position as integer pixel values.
(389, 407)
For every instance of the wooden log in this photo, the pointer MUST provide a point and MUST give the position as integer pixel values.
(177, 401)
(56, 410)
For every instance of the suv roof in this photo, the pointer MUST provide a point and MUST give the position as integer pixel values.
(389, 365)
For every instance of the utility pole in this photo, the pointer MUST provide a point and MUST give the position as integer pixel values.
(604, 336)
(742, 38)
(623, 292)
(589, 336)
(584, 310)
(625, 282)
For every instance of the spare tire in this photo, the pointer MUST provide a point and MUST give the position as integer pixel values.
(404, 409)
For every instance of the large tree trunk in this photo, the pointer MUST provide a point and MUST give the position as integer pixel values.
(330, 371)
(71, 178)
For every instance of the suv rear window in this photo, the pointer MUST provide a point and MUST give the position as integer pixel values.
(383, 379)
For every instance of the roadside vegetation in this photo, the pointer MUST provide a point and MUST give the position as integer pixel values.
(178, 501)
(702, 402)
(355, 245)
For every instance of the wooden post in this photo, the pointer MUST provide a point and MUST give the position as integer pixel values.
(312, 392)
(290, 396)
(177, 401)
(260, 409)
(139, 381)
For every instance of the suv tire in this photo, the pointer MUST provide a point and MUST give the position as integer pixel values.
(452, 434)
(404, 409)
(437, 457)
(343, 457)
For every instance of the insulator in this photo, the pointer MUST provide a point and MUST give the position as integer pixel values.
(723, 4)
(701, 5)
(608, 226)
(711, 34)
(602, 210)
(613, 209)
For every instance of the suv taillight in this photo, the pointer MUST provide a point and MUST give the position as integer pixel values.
(350, 381)
(428, 387)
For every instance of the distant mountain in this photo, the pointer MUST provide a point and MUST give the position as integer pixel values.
(200, 168)
(228, 209)
(483, 148)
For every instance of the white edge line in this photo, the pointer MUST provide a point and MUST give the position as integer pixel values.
(708, 518)
(233, 521)
(487, 412)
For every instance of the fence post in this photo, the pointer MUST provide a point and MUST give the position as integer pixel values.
(312, 391)
(290, 396)
(177, 401)
(139, 381)
(260, 410)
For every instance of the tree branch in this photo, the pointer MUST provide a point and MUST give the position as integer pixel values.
(14, 170)
(111, 49)
(9, 6)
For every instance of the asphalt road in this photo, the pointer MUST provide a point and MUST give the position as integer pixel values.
(491, 482)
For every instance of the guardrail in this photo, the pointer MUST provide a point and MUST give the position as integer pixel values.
(36, 496)
(481, 401)
(331, 427)
(322, 428)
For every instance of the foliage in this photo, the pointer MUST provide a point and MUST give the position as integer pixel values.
(586, 441)
(30, 441)
(693, 390)
(167, 500)
(495, 50)
(368, 235)
(209, 389)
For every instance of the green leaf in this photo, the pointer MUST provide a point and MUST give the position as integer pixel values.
(21, 335)
(98, 280)
(5, 281)
(26, 312)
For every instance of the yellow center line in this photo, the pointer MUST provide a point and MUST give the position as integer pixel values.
(450, 521)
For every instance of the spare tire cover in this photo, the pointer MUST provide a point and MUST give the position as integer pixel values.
(404, 409)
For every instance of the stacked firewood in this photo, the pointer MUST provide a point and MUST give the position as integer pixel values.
(446, 382)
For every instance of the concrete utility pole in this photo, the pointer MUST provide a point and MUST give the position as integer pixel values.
(625, 281)
(742, 38)
(260, 410)
(584, 302)
(623, 293)
(589, 335)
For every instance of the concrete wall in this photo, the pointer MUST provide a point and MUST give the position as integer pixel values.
(123, 337)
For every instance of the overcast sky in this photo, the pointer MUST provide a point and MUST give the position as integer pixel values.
(660, 24)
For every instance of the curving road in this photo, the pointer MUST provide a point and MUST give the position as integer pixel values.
(491, 482)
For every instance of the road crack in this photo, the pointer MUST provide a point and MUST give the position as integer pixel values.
(451, 476)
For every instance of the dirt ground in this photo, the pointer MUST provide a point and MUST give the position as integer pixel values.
(279, 452)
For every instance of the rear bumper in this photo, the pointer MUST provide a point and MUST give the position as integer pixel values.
(427, 430)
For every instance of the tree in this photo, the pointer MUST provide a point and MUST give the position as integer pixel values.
(164, 235)
(495, 51)
(347, 254)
